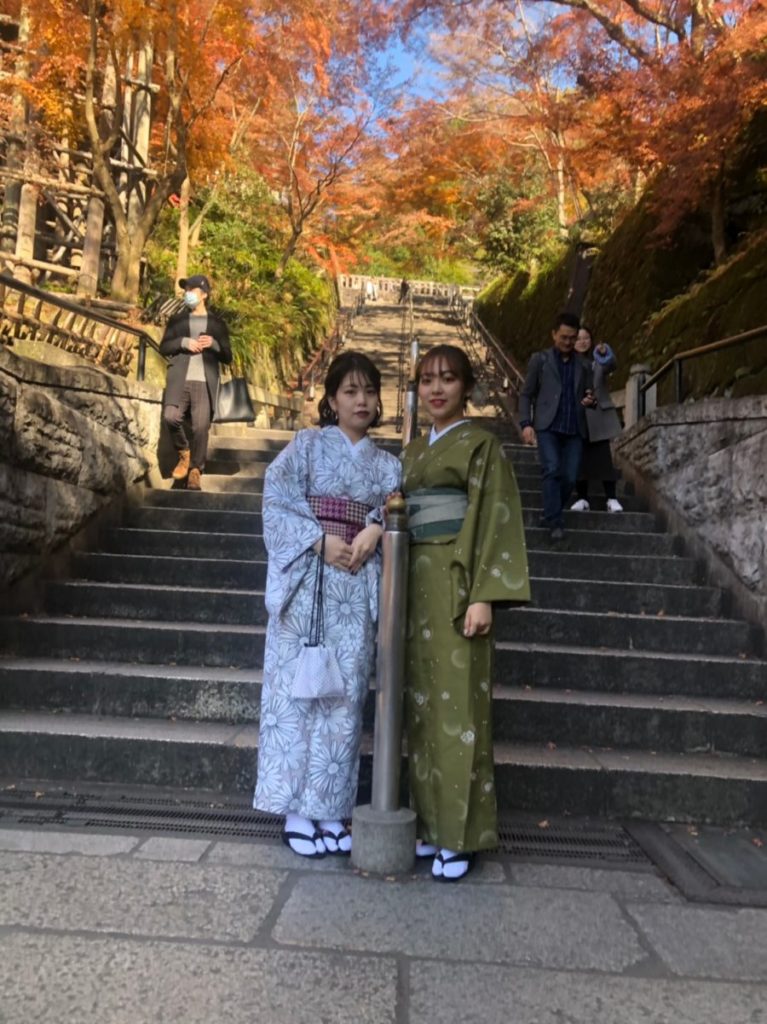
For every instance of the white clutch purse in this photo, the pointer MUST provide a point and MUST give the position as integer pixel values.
(318, 675)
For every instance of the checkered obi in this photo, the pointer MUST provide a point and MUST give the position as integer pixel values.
(340, 517)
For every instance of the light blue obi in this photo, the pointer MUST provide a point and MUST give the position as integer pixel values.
(436, 511)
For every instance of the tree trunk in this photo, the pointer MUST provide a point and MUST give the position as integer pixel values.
(182, 260)
(718, 232)
(288, 251)
(15, 144)
(126, 279)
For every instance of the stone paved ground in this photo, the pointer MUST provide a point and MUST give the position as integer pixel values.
(136, 929)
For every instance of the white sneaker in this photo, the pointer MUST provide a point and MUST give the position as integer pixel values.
(613, 505)
(581, 505)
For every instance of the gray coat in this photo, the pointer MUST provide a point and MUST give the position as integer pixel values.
(539, 398)
(603, 421)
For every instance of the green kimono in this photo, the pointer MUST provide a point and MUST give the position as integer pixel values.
(449, 677)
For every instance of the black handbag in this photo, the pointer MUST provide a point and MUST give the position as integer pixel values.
(233, 404)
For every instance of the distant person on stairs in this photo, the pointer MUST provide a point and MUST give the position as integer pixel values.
(603, 424)
(325, 492)
(467, 554)
(552, 409)
(404, 290)
(196, 342)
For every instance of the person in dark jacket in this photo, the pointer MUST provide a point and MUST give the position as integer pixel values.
(196, 342)
(603, 425)
(552, 409)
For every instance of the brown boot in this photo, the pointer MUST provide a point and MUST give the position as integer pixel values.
(182, 467)
(193, 483)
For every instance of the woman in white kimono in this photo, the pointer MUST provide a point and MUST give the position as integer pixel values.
(329, 483)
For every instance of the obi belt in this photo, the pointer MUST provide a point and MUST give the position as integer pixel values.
(340, 517)
(435, 512)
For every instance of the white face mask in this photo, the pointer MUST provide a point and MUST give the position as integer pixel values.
(191, 299)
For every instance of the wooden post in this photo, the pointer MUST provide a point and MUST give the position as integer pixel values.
(14, 154)
(90, 268)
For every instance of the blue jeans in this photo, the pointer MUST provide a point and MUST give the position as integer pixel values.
(560, 459)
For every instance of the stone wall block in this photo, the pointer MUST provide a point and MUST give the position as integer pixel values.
(22, 510)
(48, 438)
(709, 461)
(71, 440)
(69, 509)
(8, 395)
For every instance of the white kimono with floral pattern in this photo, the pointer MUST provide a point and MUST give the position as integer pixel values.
(308, 750)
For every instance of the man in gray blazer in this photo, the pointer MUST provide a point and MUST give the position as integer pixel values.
(552, 405)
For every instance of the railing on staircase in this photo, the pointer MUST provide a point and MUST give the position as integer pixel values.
(314, 371)
(675, 366)
(110, 344)
(497, 372)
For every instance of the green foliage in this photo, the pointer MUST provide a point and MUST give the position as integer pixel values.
(274, 322)
(522, 223)
(519, 309)
(400, 261)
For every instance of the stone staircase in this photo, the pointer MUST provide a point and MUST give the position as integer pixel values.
(624, 690)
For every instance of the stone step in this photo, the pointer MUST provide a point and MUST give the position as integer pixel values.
(230, 484)
(177, 643)
(239, 574)
(246, 469)
(128, 690)
(246, 574)
(724, 789)
(583, 718)
(633, 598)
(148, 602)
(717, 788)
(557, 560)
(189, 545)
(633, 519)
(579, 718)
(628, 632)
(604, 541)
(624, 522)
(579, 667)
(194, 520)
(197, 516)
(205, 601)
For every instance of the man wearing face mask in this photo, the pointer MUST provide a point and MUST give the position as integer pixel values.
(196, 341)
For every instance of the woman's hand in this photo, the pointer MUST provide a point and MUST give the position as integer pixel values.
(337, 552)
(478, 619)
(363, 546)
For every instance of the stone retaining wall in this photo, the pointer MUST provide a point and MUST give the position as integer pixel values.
(72, 439)
(704, 465)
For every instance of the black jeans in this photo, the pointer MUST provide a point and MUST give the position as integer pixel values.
(196, 400)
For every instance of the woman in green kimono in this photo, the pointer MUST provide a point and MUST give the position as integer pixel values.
(467, 553)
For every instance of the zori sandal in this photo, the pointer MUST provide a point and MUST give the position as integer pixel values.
(305, 846)
(337, 841)
(459, 864)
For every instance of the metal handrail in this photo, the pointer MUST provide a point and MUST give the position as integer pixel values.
(676, 362)
(8, 281)
(307, 378)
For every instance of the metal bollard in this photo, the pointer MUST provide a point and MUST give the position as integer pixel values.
(414, 353)
(390, 665)
(383, 832)
(410, 415)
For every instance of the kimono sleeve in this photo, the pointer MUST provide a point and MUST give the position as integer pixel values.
(290, 527)
(490, 548)
(390, 478)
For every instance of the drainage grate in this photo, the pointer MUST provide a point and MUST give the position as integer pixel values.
(601, 843)
(582, 842)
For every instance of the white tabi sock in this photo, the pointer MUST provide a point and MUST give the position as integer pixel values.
(303, 827)
(458, 868)
(339, 841)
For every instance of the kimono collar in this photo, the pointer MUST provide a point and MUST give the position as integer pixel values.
(436, 436)
(354, 447)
